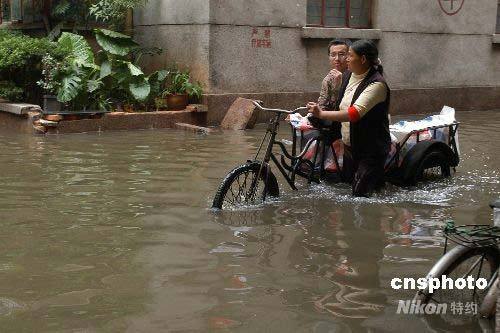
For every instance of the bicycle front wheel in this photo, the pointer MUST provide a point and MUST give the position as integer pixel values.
(459, 263)
(246, 185)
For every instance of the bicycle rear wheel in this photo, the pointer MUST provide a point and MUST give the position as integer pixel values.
(460, 262)
(247, 184)
(433, 166)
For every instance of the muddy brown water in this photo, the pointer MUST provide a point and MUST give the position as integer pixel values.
(111, 232)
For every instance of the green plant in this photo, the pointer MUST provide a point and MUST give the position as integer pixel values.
(21, 62)
(123, 79)
(179, 82)
(75, 11)
(10, 92)
(113, 12)
(83, 80)
(80, 14)
(50, 69)
(75, 79)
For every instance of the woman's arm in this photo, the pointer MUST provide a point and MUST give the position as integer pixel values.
(340, 116)
(375, 93)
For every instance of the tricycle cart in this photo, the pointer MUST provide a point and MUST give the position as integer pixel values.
(418, 155)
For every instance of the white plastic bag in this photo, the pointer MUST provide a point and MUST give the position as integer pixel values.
(401, 129)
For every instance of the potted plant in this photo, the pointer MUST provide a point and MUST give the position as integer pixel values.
(72, 83)
(49, 84)
(179, 89)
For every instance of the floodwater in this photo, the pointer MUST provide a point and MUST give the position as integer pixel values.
(112, 232)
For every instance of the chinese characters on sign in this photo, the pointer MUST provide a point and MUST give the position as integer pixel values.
(261, 38)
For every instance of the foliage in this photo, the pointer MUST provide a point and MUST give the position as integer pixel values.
(76, 11)
(113, 12)
(20, 63)
(75, 79)
(123, 80)
(83, 80)
(10, 92)
(179, 82)
(50, 68)
(115, 43)
(81, 13)
(18, 51)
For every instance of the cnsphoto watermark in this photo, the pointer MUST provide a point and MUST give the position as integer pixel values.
(432, 284)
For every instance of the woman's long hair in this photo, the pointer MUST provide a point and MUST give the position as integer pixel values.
(368, 49)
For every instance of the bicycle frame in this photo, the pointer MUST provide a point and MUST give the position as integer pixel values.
(295, 160)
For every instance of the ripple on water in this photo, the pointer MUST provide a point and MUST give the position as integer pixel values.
(8, 306)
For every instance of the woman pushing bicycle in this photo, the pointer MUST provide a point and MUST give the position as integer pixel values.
(363, 108)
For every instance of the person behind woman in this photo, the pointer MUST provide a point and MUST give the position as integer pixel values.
(337, 55)
(363, 105)
(330, 87)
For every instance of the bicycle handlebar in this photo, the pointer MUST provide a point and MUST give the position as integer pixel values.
(495, 203)
(256, 103)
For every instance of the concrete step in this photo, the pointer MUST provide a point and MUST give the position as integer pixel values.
(19, 108)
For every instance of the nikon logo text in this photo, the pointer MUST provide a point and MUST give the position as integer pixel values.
(417, 307)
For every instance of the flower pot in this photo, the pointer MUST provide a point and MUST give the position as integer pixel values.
(53, 117)
(72, 117)
(177, 102)
(51, 104)
(96, 116)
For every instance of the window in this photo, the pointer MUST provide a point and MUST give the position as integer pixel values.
(26, 11)
(339, 13)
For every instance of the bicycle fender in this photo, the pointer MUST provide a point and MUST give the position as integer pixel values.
(488, 306)
(445, 261)
(420, 150)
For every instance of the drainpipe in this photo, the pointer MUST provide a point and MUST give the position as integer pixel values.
(129, 22)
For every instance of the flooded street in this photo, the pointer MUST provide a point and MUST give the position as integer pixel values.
(112, 232)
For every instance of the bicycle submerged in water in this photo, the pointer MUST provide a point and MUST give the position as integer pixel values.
(422, 154)
(476, 254)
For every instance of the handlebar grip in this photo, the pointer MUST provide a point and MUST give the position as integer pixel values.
(258, 105)
(495, 204)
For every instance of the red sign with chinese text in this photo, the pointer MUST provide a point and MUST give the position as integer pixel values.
(261, 38)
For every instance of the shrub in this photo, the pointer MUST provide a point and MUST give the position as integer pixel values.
(112, 13)
(108, 79)
(10, 91)
(20, 64)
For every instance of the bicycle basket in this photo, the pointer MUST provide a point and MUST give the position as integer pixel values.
(472, 235)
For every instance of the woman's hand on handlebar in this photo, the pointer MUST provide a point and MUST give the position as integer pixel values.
(314, 109)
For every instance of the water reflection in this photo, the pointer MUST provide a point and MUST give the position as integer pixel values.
(112, 232)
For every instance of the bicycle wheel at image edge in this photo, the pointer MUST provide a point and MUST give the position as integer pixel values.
(236, 188)
(460, 262)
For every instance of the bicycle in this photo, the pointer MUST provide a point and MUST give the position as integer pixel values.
(236, 189)
(477, 254)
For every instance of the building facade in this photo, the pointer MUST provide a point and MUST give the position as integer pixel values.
(434, 52)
